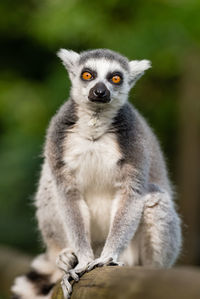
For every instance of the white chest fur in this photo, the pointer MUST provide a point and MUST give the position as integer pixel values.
(94, 164)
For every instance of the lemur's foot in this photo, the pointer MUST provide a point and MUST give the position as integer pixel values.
(66, 260)
(100, 262)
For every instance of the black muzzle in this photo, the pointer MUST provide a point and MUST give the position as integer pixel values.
(99, 93)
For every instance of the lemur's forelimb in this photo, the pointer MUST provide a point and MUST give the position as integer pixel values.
(77, 228)
(123, 227)
(126, 215)
(73, 209)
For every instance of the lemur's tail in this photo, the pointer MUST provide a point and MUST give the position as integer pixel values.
(38, 282)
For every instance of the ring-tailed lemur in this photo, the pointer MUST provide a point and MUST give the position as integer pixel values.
(104, 197)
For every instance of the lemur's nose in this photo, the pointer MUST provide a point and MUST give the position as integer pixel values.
(100, 90)
(99, 93)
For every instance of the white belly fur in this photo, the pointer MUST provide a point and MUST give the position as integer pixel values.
(95, 166)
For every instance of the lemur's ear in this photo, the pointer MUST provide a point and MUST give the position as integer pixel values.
(69, 59)
(137, 69)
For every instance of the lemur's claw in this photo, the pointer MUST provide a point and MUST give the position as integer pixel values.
(74, 275)
(100, 262)
(114, 263)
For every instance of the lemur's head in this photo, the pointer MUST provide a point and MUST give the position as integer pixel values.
(101, 77)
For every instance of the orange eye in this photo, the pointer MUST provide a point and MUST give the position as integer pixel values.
(86, 76)
(116, 79)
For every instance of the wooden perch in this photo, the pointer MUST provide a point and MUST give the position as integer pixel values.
(112, 282)
(136, 283)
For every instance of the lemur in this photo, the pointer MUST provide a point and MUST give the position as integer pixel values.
(104, 197)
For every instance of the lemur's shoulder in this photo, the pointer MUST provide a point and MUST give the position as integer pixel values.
(127, 122)
(64, 119)
(134, 135)
(129, 119)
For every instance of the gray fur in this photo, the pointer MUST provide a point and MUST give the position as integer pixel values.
(104, 196)
(106, 54)
(64, 119)
(138, 143)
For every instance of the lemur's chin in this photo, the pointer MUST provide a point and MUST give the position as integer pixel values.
(99, 100)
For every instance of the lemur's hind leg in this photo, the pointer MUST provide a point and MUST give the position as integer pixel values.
(160, 240)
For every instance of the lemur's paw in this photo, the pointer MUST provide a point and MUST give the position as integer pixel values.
(100, 262)
(66, 260)
(72, 274)
(79, 270)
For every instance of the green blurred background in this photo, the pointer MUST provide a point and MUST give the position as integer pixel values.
(33, 84)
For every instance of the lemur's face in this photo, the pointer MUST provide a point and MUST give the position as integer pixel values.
(100, 81)
(101, 77)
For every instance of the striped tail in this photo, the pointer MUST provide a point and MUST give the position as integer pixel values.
(38, 282)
